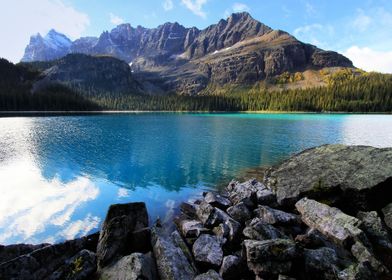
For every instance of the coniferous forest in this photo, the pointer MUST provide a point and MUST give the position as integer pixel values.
(344, 92)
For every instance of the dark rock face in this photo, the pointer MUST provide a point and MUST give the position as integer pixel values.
(350, 177)
(276, 217)
(270, 257)
(231, 268)
(81, 266)
(43, 262)
(87, 73)
(387, 211)
(238, 50)
(258, 229)
(12, 251)
(321, 263)
(209, 275)
(121, 223)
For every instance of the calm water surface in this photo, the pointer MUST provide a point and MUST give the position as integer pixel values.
(58, 175)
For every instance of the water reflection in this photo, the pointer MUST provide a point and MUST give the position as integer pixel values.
(58, 175)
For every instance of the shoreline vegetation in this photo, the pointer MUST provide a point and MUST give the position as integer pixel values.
(324, 213)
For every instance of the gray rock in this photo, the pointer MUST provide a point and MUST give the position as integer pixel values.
(266, 197)
(356, 176)
(132, 267)
(270, 257)
(330, 221)
(116, 236)
(357, 272)
(232, 268)
(212, 217)
(374, 229)
(321, 263)
(81, 266)
(364, 255)
(209, 275)
(239, 212)
(172, 263)
(257, 229)
(191, 228)
(42, 262)
(312, 239)
(276, 217)
(207, 250)
(245, 192)
(217, 200)
(387, 211)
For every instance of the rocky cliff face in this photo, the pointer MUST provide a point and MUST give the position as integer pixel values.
(89, 74)
(236, 50)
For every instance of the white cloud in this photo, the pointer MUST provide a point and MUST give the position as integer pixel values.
(38, 16)
(168, 5)
(362, 21)
(237, 8)
(240, 7)
(369, 59)
(122, 193)
(196, 7)
(116, 20)
(310, 9)
(311, 34)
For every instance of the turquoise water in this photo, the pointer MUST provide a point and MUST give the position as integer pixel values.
(58, 175)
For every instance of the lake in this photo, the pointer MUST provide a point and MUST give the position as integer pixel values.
(59, 174)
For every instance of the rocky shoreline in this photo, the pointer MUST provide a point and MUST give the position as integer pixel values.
(325, 213)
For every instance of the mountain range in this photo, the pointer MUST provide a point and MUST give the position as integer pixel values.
(174, 59)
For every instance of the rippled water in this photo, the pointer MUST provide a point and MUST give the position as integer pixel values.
(58, 175)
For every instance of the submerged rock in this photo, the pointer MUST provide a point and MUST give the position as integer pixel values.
(330, 221)
(207, 250)
(355, 177)
(133, 267)
(122, 222)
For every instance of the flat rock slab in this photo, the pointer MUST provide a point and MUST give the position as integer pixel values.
(332, 170)
(333, 223)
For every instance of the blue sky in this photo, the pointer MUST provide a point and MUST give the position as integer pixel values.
(360, 29)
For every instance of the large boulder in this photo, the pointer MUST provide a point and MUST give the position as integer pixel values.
(330, 221)
(172, 262)
(132, 267)
(270, 257)
(240, 212)
(217, 200)
(352, 177)
(124, 228)
(207, 250)
(243, 192)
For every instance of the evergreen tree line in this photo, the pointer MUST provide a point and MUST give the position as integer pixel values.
(345, 92)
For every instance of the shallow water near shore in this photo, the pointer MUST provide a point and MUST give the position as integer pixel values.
(59, 174)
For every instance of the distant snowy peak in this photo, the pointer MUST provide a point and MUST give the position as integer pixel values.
(54, 45)
(57, 40)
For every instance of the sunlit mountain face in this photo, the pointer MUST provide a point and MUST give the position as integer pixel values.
(58, 175)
